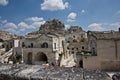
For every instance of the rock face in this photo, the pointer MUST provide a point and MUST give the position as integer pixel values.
(53, 26)
(37, 72)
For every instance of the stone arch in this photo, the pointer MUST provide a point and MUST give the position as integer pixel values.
(41, 57)
(29, 58)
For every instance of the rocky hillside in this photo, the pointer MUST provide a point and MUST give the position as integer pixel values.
(54, 24)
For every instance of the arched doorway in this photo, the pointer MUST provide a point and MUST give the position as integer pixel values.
(44, 45)
(81, 63)
(41, 57)
(29, 58)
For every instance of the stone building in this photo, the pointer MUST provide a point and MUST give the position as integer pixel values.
(105, 50)
(73, 47)
(4, 35)
(76, 42)
(45, 45)
(7, 42)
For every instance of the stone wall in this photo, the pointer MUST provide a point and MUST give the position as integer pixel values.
(47, 51)
(110, 65)
(91, 62)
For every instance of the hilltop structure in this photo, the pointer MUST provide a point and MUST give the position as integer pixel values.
(54, 45)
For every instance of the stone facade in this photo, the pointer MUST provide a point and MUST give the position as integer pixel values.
(105, 50)
(45, 45)
(76, 42)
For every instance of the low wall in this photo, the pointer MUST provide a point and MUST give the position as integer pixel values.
(110, 65)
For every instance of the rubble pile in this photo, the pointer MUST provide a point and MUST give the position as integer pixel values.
(38, 72)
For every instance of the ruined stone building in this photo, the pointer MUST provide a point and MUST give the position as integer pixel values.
(45, 45)
(75, 43)
(105, 50)
(7, 42)
(55, 45)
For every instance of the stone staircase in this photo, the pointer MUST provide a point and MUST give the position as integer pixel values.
(2, 51)
(4, 58)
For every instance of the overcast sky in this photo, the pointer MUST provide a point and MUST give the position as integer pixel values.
(22, 16)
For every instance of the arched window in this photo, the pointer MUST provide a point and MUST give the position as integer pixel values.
(44, 45)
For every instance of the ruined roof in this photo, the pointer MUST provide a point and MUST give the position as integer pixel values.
(105, 34)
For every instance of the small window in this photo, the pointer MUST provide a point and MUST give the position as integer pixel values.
(68, 41)
(81, 36)
(68, 48)
(73, 36)
(72, 48)
(76, 48)
(93, 51)
(82, 47)
(54, 45)
(82, 40)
